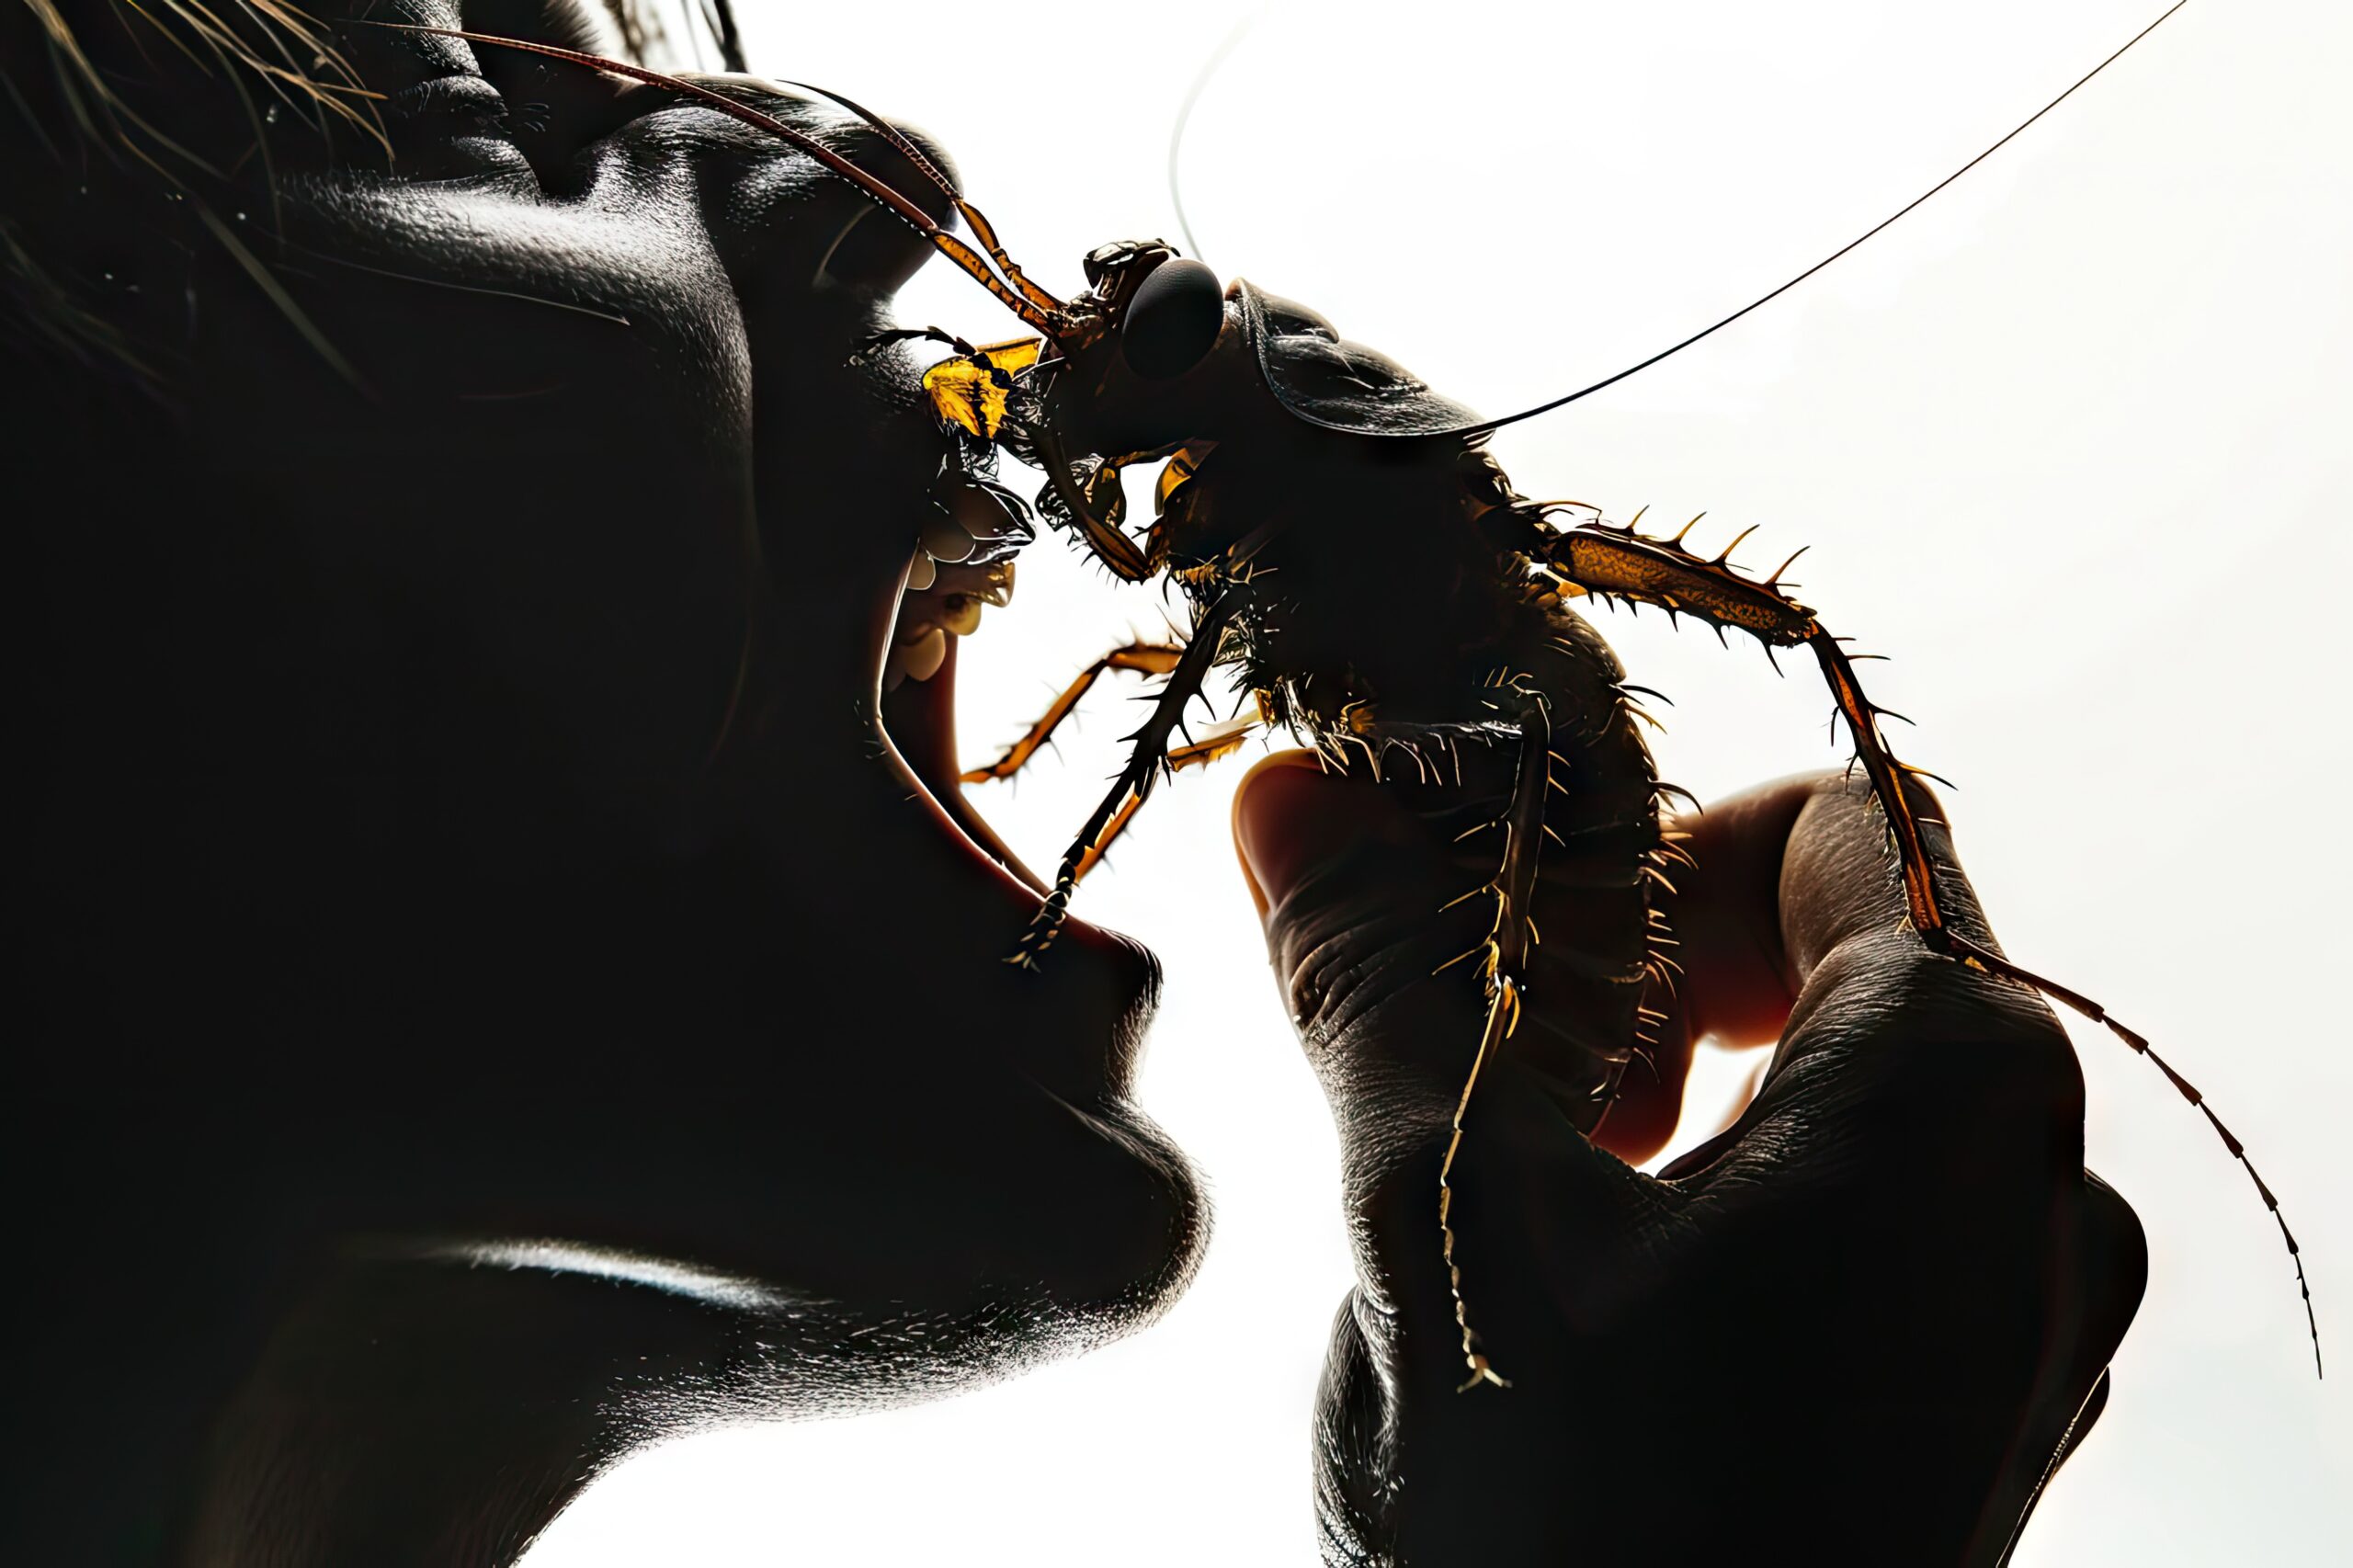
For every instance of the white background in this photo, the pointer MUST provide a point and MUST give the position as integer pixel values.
(2070, 444)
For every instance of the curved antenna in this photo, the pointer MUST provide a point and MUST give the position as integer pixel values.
(890, 133)
(1484, 425)
(1240, 31)
(1023, 304)
(983, 229)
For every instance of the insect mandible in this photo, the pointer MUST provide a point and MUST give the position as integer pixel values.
(1284, 444)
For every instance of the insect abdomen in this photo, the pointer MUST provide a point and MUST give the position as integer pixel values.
(1389, 630)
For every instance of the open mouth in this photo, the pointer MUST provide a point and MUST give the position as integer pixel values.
(1099, 988)
(962, 567)
(943, 604)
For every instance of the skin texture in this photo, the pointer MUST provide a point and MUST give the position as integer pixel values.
(467, 821)
(501, 989)
(1858, 1323)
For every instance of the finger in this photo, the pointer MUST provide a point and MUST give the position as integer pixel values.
(1727, 912)
(1851, 943)
(1731, 981)
(1352, 887)
(1841, 877)
(2108, 1269)
(2099, 1270)
(1882, 1022)
(1374, 939)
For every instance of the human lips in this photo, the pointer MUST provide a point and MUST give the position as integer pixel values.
(919, 706)
(1096, 990)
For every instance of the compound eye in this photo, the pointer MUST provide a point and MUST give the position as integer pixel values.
(1172, 319)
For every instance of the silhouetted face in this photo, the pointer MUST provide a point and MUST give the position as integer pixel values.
(485, 751)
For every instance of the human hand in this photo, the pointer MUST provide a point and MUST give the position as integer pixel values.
(1861, 1324)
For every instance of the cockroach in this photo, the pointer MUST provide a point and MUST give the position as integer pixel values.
(1287, 448)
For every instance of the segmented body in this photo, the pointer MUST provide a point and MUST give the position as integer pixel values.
(1386, 601)
(1440, 621)
(1420, 607)
(1390, 601)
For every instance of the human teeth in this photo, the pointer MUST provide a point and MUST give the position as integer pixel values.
(992, 583)
(995, 518)
(940, 599)
(918, 660)
(943, 540)
(960, 613)
(978, 512)
(926, 653)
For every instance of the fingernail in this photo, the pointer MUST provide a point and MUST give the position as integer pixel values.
(1291, 818)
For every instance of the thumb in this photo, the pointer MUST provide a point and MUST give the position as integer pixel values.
(1353, 888)
(1374, 924)
(1291, 819)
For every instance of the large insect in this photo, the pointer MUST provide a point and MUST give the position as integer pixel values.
(1455, 649)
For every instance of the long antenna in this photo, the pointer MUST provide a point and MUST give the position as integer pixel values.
(1241, 31)
(1481, 426)
(1031, 303)
(983, 230)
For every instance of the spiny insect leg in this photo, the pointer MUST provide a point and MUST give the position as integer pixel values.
(1223, 740)
(1927, 917)
(1146, 760)
(898, 334)
(1620, 564)
(1147, 658)
(1101, 535)
(1503, 963)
